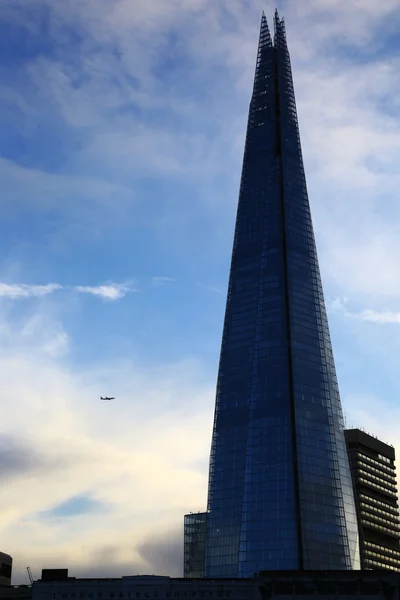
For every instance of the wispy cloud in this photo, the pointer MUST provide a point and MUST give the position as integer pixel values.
(22, 290)
(341, 305)
(36, 333)
(373, 316)
(211, 288)
(157, 281)
(338, 304)
(27, 186)
(112, 291)
(108, 292)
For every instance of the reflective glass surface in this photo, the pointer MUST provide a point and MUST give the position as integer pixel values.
(194, 545)
(280, 492)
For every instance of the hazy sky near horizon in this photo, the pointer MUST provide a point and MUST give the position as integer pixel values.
(122, 131)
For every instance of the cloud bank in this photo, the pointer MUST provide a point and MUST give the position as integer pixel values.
(103, 473)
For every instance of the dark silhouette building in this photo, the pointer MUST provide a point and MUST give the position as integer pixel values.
(15, 592)
(375, 485)
(280, 493)
(6, 562)
(274, 585)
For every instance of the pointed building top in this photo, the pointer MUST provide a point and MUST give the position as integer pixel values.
(278, 20)
(279, 29)
(265, 37)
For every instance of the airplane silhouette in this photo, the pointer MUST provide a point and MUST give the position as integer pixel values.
(106, 398)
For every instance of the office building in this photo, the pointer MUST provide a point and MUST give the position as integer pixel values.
(194, 545)
(375, 485)
(280, 493)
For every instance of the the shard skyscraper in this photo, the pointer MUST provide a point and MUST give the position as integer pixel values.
(280, 491)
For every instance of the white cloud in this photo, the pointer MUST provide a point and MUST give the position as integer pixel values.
(113, 291)
(373, 316)
(341, 305)
(40, 333)
(21, 290)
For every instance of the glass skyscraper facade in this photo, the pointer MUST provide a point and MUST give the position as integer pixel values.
(280, 491)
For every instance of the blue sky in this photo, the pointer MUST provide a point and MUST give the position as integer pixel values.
(122, 131)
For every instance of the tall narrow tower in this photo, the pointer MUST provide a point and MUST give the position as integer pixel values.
(280, 492)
